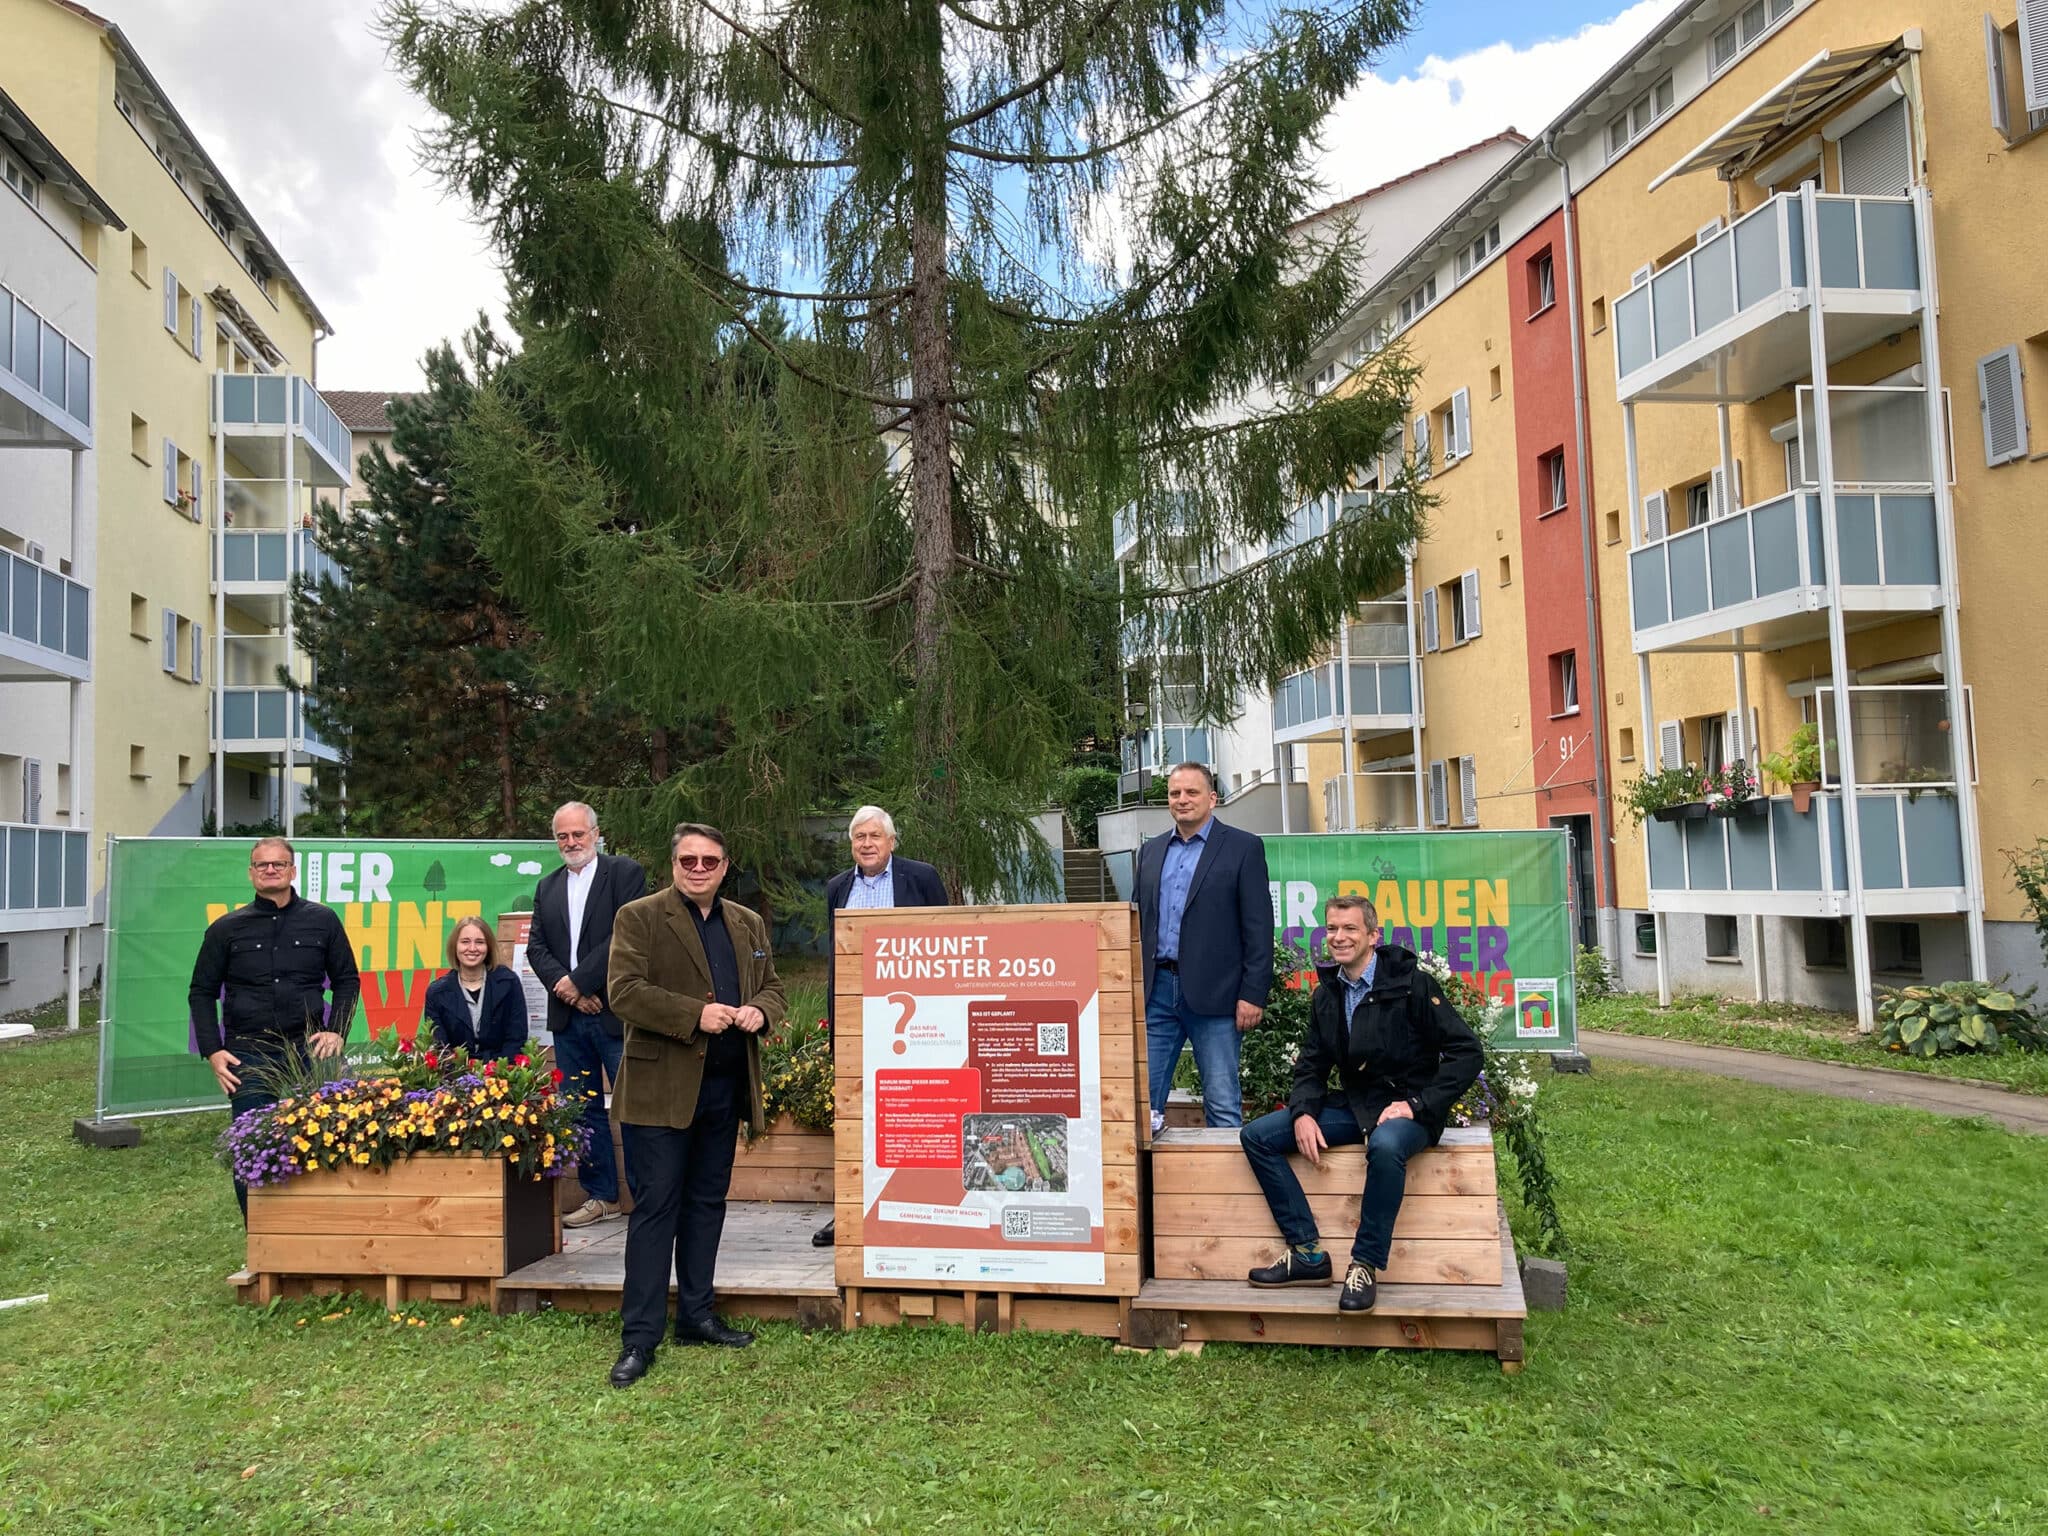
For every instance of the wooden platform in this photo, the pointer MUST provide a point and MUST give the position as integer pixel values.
(767, 1267)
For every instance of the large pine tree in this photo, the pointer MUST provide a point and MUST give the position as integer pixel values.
(849, 330)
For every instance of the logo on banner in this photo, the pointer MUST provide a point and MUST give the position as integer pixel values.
(1536, 1008)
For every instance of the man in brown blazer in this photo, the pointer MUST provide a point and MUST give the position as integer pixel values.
(693, 978)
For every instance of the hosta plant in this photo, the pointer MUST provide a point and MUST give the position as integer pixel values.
(1959, 1016)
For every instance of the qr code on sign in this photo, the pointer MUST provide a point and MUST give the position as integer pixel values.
(1052, 1039)
(1016, 1222)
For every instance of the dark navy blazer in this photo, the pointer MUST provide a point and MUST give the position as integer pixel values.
(502, 1029)
(1226, 929)
(913, 882)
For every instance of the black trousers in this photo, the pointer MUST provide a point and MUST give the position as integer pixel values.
(680, 1179)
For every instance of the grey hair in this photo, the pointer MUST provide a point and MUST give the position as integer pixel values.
(574, 805)
(872, 813)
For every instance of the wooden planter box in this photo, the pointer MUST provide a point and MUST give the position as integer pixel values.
(435, 1227)
(787, 1162)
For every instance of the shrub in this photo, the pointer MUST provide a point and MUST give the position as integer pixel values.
(796, 1076)
(1084, 792)
(2029, 868)
(1265, 1067)
(1593, 976)
(1959, 1017)
(1666, 787)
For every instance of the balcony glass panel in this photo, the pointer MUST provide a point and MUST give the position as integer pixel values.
(1934, 840)
(1397, 693)
(238, 399)
(21, 868)
(1841, 264)
(1880, 437)
(1902, 732)
(78, 385)
(49, 869)
(1759, 267)
(53, 367)
(1796, 840)
(74, 869)
(1856, 532)
(1690, 594)
(6, 330)
(78, 623)
(238, 715)
(22, 585)
(1891, 256)
(1728, 558)
(1713, 282)
(272, 553)
(1646, 581)
(238, 557)
(50, 621)
(1774, 530)
(1749, 853)
(27, 364)
(1907, 843)
(272, 713)
(271, 399)
(1671, 306)
(1632, 347)
(1884, 861)
(1906, 526)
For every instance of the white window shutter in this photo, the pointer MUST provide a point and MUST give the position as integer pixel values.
(2003, 405)
(170, 640)
(1656, 520)
(1431, 639)
(198, 319)
(1994, 71)
(1468, 791)
(170, 301)
(32, 790)
(1461, 420)
(1422, 444)
(2034, 54)
(170, 472)
(1670, 744)
(198, 491)
(198, 652)
(1439, 793)
(1735, 744)
(1471, 582)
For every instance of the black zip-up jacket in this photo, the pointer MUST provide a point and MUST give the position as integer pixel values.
(275, 963)
(1404, 1042)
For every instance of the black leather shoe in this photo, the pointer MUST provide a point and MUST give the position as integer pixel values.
(1360, 1289)
(823, 1238)
(633, 1363)
(713, 1331)
(1292, 1269)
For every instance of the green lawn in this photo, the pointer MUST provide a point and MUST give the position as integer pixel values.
(1789, 1030)
(1788, 1314)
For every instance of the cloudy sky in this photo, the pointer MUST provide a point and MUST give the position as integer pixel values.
(319, 138)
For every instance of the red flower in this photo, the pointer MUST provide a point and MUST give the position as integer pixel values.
(432, 1060)
(556, 1075)
(405, 1047)
(521, 1061)
(490, 1069)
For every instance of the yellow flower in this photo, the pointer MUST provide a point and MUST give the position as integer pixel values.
(509, 1141)
(362, 1157)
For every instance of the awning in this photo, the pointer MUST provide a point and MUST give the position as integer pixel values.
(1786, 106)
(225, 301)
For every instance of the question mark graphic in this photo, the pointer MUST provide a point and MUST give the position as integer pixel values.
(908, 1004)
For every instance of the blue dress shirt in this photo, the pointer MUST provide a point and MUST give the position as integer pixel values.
(868, 891)
(1355, 991)
(1176, 874)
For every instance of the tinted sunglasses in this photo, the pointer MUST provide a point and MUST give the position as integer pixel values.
(699, 861)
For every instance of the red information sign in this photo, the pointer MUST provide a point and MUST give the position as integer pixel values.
(1027, 1055)
(917, 1116)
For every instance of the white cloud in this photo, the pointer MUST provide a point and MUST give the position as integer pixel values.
(501, 859)
(529, 867)
(1387, 127)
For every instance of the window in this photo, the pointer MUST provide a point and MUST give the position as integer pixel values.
(1418, 299)
(1455, 422)
(1550, 482)
(1724, 940)
(171, 310)
(1699, 504)
(138, 615)
(1564, 683)
(1614, 527)
(1493, 382)
(1507, 571)
(1646, 935)
(1599, 321)
(1746, 31)
(1826, 941)
(1474, 255)
(138, 762)
(1711, 731)
(1629, 125)
(1461, 597)
(2003, 406)
(1439, 794)
(1542, 282)
(184, 770)
(22, 181)
(1626, 747)
(2007, 54)
(1468, 791)
(138, 438)
(1876, 156)
(138, 259)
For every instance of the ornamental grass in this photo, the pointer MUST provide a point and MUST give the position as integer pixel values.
(414, 1102)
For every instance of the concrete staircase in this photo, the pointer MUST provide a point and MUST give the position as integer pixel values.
(1087, 878)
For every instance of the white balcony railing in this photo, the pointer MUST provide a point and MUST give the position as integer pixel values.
(1381, 691)
(45, 621)
(254, 410)
(47, 374)
(1754, 271)
(265, 720)
(42, 876)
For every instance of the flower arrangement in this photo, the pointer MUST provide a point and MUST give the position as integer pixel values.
(1728, 789)
(412, 1102)
(1663, 791)
(796, 1076)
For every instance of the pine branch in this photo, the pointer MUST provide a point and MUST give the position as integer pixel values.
(780, 59)
(1032, 86)
(712, 141)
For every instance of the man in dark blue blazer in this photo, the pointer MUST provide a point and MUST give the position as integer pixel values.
(1206, 917)
(878, 879)
(569, 946)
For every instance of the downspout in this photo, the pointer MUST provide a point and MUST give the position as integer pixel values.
(1610, 896)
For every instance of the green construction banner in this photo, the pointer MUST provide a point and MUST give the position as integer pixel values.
(397, 899)
(1496, 906)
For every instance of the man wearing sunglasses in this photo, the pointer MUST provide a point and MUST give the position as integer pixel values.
(275, 981)
(693, 977)
(569, 947)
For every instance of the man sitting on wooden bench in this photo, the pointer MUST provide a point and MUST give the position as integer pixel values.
(1403, 1058)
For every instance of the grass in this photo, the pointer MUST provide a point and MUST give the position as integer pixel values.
(1787, 1029)
(1788, 1314)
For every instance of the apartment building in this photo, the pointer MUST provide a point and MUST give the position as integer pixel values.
(49, 215)
(1272, 737)
(1764, 340)
(213, 442)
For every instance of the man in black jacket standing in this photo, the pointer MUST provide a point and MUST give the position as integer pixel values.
(569, 946)
(1403, 1058)
(261, 986)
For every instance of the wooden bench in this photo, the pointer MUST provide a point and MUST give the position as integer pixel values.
(1451, 1280)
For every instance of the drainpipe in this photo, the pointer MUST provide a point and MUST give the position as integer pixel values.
(1603, 805)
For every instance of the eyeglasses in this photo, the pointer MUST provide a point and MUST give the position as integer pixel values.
(270, 863)
(699, 861)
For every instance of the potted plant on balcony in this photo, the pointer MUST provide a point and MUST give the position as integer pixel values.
(1733, 792)
(1798, 766)
(1669, 794)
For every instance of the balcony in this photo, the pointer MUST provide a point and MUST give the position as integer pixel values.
(1385, 801)
(1786, 864)
(45, 381)
(45, 623)
(1152, 752)
(256, 562)
(258, 414)
(42, 877)
(1726, 321)
(265, 720)
(1309, 705)
(1763, 570)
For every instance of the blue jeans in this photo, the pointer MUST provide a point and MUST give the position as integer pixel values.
(1169, 1024)
(1268, 1140)
(581, 1048)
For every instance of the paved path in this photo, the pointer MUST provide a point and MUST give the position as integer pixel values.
(1873, 1085)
